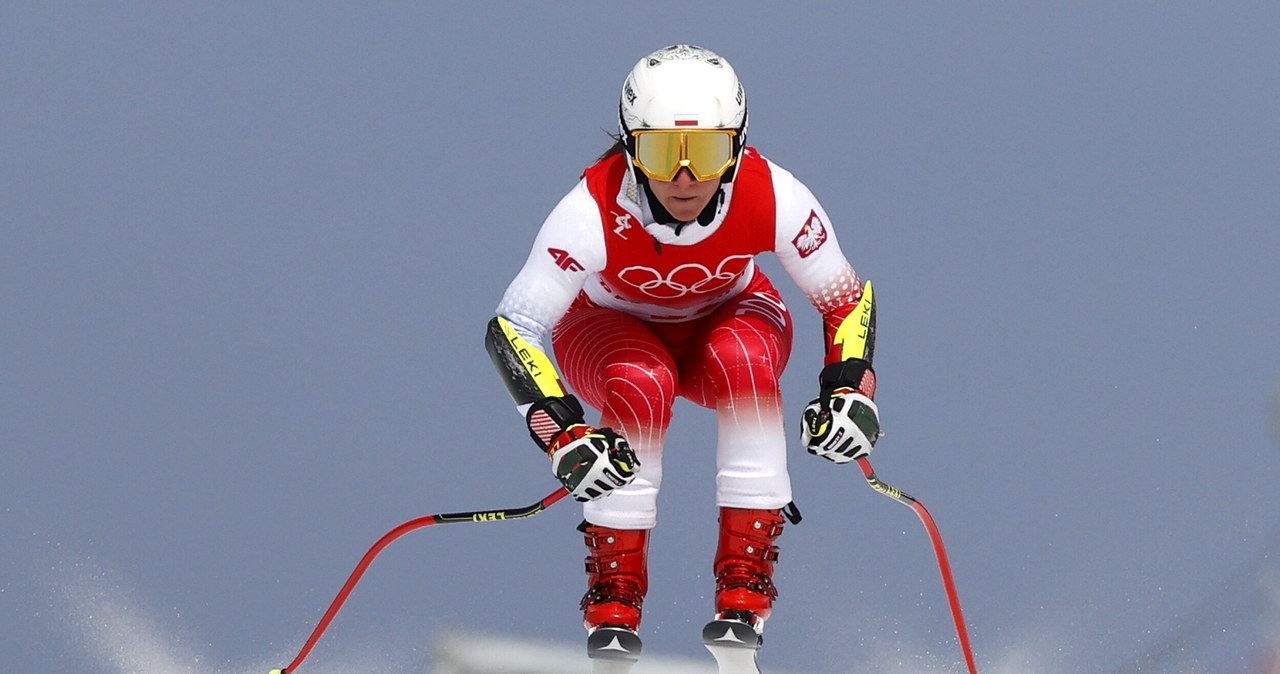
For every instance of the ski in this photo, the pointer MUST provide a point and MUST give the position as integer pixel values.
(734, 644)
(613, 650)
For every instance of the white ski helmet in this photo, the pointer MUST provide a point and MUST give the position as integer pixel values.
(683, 87)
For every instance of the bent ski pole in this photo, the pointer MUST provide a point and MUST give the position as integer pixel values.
(944, 566)
(390, 536)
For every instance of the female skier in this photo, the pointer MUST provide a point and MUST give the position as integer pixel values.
(644, 277)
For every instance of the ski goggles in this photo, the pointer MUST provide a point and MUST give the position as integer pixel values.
(661, 153)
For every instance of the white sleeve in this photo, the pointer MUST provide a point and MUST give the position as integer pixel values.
(807, 247)
(568, 247)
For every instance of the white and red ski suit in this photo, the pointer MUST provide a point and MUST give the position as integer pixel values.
(641, 313)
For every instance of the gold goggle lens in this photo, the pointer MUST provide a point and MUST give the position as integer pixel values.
(707, 153)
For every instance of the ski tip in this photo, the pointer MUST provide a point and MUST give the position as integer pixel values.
(276, 671)
(730, 634)
(613, 643)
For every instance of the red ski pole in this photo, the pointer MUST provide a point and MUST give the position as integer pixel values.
(944, 566)
(390, 536)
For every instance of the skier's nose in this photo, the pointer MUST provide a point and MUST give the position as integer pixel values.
(684, 178)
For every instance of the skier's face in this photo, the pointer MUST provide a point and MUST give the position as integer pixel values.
(684, 198)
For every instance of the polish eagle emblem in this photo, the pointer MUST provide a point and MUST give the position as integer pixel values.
(811, 236)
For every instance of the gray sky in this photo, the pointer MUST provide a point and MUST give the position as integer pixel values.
(247, 252)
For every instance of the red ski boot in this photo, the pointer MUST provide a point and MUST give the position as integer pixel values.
(744, 585)
(618, 578)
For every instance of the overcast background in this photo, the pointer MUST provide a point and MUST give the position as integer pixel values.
(248, 250)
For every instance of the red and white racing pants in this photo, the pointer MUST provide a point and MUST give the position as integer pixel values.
(729, 361)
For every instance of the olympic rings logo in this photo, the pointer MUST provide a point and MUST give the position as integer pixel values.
(687, 279)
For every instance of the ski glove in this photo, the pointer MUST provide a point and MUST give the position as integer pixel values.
(589, 462)
(842, 424)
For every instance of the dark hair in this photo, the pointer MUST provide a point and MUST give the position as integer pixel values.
(617, 148)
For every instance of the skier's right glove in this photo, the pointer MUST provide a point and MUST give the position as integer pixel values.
(592, 463)
(589, 462)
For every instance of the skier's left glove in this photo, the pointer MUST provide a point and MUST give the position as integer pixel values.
(842, 424)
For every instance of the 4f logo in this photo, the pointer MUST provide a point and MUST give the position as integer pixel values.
(623, 222)
(564, 260)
